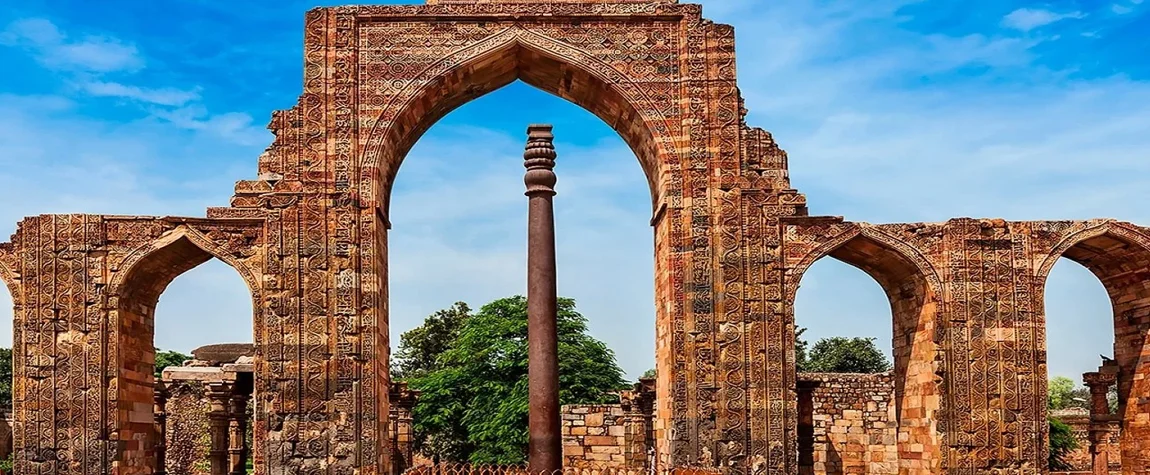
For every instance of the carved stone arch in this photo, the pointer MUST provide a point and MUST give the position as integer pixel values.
(546, 63)
(200, 240)
(913, 289)
(135, 287)
(1069, 239)
(1118, 254)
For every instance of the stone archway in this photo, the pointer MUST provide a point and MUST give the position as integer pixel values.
(912, 286)
(1120, 258)
(729, 231)
(144, 274)
(376, 77)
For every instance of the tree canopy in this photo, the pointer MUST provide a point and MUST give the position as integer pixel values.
(420, 347)
(165, 359)
(1062, 442)
(1062, 393)
(840, 355)
(473, 402)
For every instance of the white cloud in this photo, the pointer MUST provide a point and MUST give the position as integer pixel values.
(55, 50)
(1026, 19)
(162, 96)
(235, 127)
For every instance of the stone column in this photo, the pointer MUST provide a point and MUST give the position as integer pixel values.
(219, 395)
(160, 402)
(545, 452)
(402, 401)
(638, 413)
(806, 426)
(1099, 384)
(237, 429)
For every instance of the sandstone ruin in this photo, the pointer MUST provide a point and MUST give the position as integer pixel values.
(308, 233)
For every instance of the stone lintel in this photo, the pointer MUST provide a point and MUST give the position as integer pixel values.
(207, 374)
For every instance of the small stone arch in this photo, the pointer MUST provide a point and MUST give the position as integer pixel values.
(1118, 254)
(135, 288)
(913, 288)
(199, 240)
(543, 62)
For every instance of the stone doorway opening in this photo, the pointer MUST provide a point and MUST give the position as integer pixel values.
(1113, 438)
(882, 422)
(147, 275)
(452, 208)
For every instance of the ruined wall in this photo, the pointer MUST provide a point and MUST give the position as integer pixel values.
(1079, 459)
(855, 430)
(732, 240)
(188, 438)
(603, 436)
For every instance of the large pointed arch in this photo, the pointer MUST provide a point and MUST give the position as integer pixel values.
(913, 288)
(545, 63)
(1118, 254)
(136, 286)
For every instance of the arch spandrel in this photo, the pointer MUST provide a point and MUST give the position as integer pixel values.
(526, 50)
(221, 244)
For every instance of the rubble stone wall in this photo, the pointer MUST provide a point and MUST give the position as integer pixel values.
(604, 436)
(855, 426)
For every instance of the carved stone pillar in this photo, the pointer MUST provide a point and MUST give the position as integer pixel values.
(402, 401)
(160, 401)
(806, 426)
(639, 408)
(237, 429)
(219, 395)
(1099, 384)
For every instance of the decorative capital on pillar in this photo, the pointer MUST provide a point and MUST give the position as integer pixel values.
(1099, 379)
(539, 159)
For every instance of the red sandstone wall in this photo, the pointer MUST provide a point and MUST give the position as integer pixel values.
(855, 427)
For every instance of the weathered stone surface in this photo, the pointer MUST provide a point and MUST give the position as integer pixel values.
(223, 352)
(732, 241)
(187, 436)
(854, 422)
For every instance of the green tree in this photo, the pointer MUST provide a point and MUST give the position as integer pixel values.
(420, 347)
(6, 377)
(846, 355)
(1060, 393)
(473, 405)
(1062, 442)
(648, 374)
(801, 363)
(165, 359)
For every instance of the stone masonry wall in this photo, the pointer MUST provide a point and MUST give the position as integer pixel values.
(604, 436)
(855, 427)
(1079, 422)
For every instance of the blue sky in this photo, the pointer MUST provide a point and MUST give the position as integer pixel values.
(891, 110)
